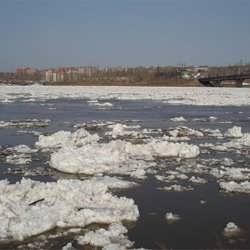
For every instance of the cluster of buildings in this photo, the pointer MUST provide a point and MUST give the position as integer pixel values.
(68, 74)
(60, 74)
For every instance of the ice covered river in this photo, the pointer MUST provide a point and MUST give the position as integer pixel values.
(80, 173)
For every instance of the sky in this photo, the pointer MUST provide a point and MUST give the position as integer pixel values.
(53, 33)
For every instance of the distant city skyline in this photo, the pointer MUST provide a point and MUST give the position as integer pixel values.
(49, 34)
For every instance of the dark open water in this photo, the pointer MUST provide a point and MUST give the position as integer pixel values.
(200, 226)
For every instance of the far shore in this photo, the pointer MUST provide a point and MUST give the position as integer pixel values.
(172, 83)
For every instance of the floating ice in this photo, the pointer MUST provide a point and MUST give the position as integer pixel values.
(231, 173)
(212, 118)
(232, 186)
(30, 207)
(238, 143)
(198, 180)
(234, 132)
(100, 105)
(176, 188)
(119, 157)
(104, 238)
(120, 130)
(19, 155)
(171, 218)
(66, 138)
(184, 132)
(68, 246)
(231, 230)
(178, 119)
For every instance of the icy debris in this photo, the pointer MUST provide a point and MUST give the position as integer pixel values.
(30, 207)
(227, 162)
(32, 132)
(120, 130)
(212, 133)
(28, 123)
(214, 147)
(231, 230)
(184, 132)
(171, 218)
(22, 149)
(104, 238)
(198, 180)
(19, 155)
(231, 173)
(113, 182)
(232, 186)
(176, 188)
(171, 176)
(178, 119)
(18, 159)
(238, 143)
(234, 132)
(68, 246)
(65, 138)
(192, 168)
(100, 104)
(212, 118)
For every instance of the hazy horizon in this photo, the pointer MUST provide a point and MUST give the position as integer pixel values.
(132, 33)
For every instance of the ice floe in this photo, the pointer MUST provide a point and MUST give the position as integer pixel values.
(234, 132)
(30, 207)
(232, 186)
(185, 132)
(119, 157)
(121, 130)
(176, 188)
(178, 119)
(171, 217)
(231, 230)
(66, 138)
(18, 155)
(100, 104)
(231, 173)
(113, 236)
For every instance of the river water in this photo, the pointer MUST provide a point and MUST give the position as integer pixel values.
(201, 225)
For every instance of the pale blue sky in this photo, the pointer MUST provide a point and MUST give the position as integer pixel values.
(51, 33)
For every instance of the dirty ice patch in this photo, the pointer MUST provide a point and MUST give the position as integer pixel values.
(30, 207)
